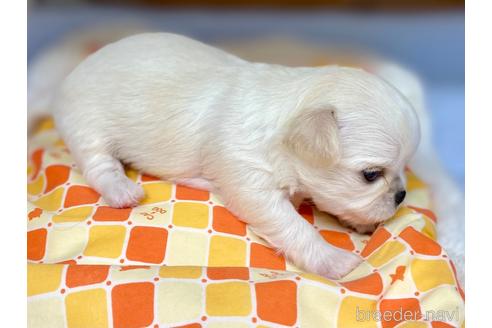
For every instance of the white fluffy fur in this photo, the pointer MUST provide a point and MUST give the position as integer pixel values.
(256, 134)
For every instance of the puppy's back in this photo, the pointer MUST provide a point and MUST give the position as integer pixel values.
(162, 49)
(143, 92)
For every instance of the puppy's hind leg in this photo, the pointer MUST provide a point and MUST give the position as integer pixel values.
(106, 174)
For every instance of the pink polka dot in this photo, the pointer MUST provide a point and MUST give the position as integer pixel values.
(108, 283)
(204, 318)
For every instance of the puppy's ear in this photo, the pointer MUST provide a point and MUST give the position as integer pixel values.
(313, 137)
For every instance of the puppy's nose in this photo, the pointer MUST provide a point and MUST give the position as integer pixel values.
(400, 196)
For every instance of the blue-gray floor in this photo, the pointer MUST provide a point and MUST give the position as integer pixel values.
(447, 103)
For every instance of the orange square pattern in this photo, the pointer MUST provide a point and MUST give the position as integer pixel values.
(133, 305)
(36, 242)
(225, 221)
(407, 306)
(82, 275)
(276, 301)
(187, 193)
(80, 195)
(265, 257)
(228, 273)
(106, 213)
(147, 244)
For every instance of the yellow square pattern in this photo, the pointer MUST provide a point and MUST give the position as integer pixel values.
(156, 192)
(228, 299)
(87, 309)
(105, 241)
(193, 215)
(386, 253)
(357, 312)
(226, 251)
(76, 214)
(183, 272)
(420, 272)
(43, 279)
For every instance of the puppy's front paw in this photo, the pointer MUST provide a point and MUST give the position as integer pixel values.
(342, 266)
(333, 263)
(123, 193)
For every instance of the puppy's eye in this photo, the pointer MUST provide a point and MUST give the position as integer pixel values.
(372, 175)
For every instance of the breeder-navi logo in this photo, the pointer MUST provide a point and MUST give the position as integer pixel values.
(406, 315)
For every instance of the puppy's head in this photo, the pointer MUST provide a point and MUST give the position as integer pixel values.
(350, 140)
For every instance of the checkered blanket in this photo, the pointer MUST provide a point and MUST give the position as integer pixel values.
(181, 259)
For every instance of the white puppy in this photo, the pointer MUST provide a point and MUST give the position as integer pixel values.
(259, 135)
